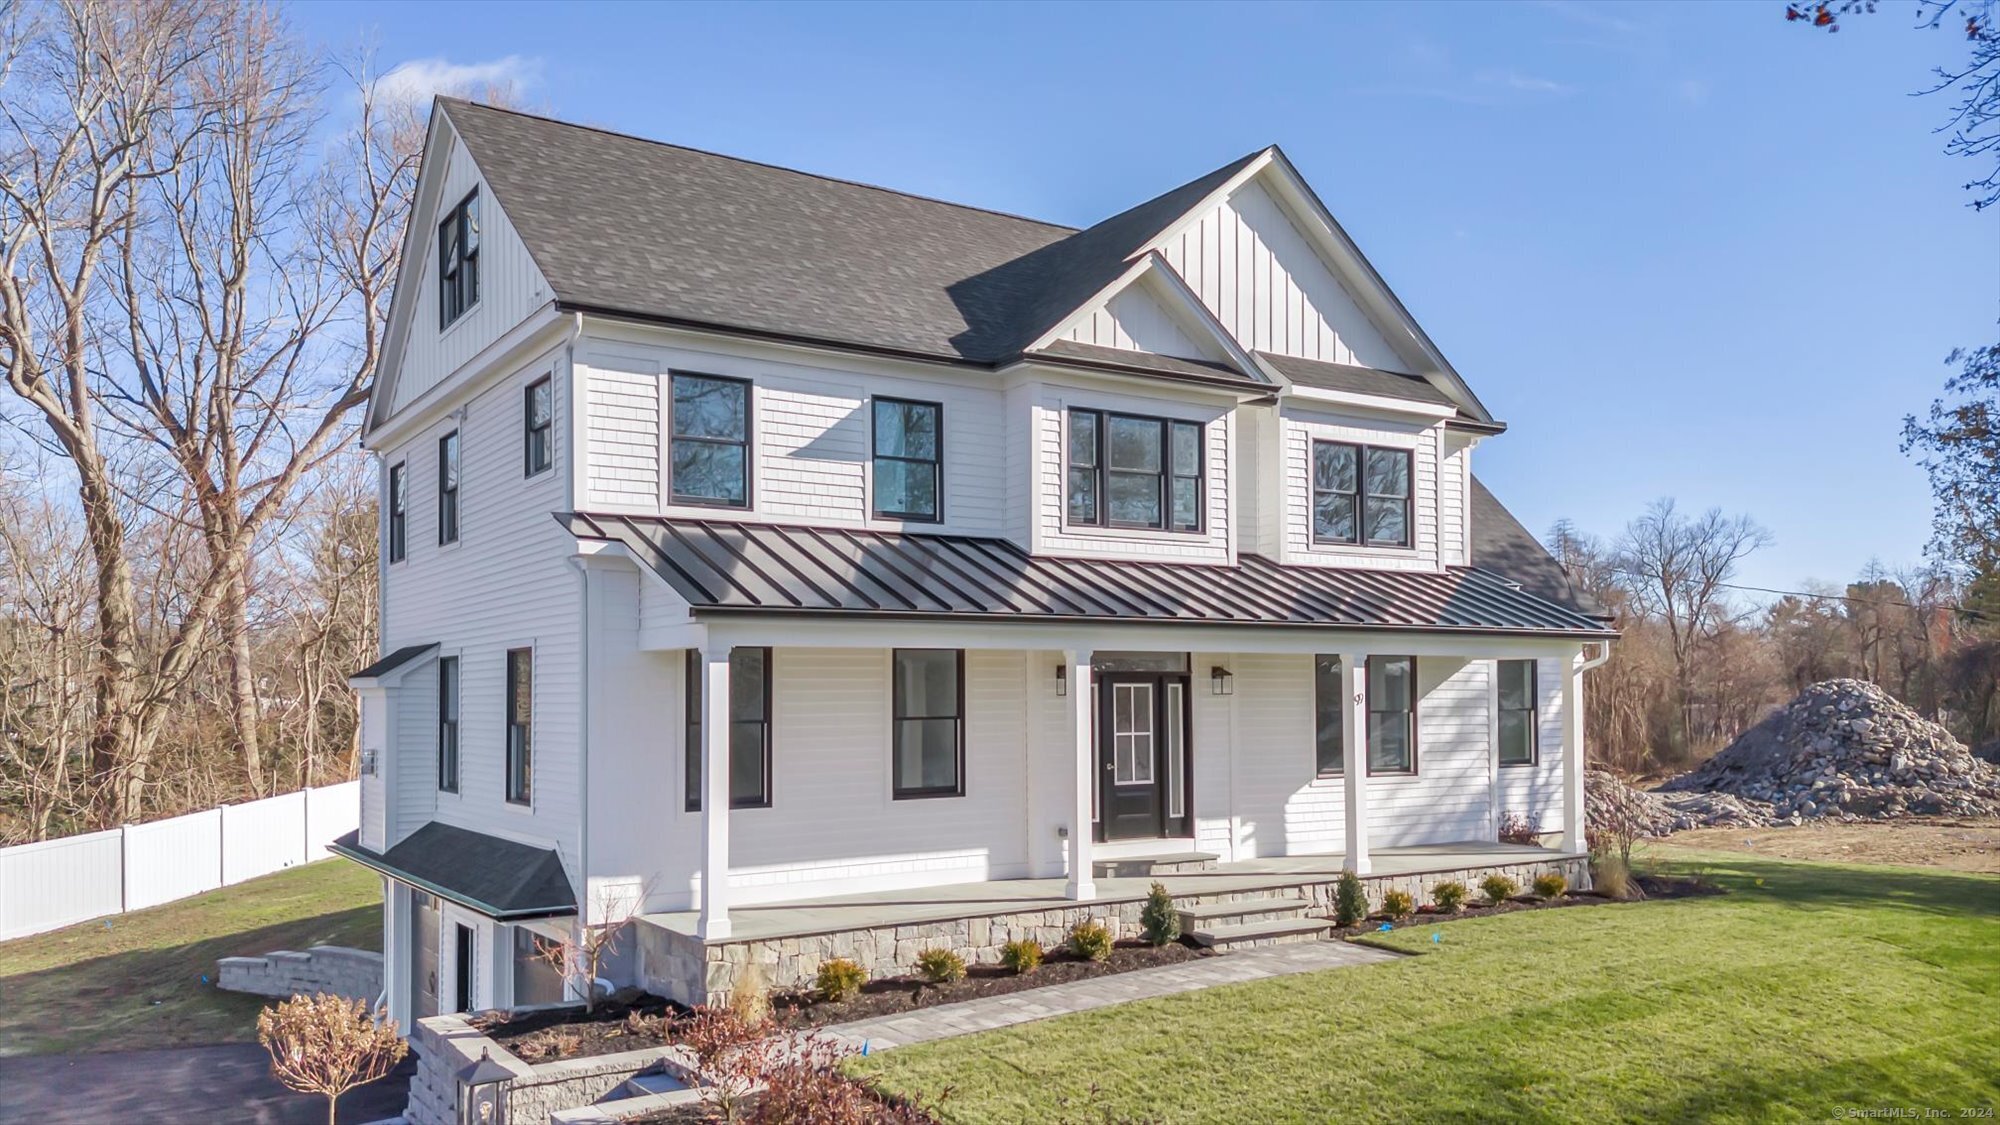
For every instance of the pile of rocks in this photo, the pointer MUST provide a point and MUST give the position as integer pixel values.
(1845, 749)
(1610, 802)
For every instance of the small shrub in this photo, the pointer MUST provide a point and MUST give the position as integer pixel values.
(1398, 904)
(940, 966)
(1551, 884)
(1159, 922)
(328, 1045)
(1350, 900)
(840, 979)
(1498, 888)
(710, 1032)
(1019, 957)
(1091, 941)
(1611, 876)
(750, 998)
(1518, 829)
(1449, 897)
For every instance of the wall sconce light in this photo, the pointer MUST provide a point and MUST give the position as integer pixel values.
(1062, 680)
(1220, 681)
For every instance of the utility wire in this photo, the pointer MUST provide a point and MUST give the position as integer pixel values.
(1823, 596)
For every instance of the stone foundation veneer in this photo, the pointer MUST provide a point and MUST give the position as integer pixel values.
(684, 968)
(335, 969)
(446, 1045)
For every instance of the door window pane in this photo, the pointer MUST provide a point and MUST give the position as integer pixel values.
(1132, 734)
(1176, 750)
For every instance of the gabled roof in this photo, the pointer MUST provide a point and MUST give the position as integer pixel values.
(499, 878)
(730, 567)
(1500, 544)
(396, 662)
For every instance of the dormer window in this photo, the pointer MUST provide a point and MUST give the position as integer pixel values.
(458, 260)
(1126, 470)
(1360, 495)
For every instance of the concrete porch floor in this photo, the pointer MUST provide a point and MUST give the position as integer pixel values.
(876, 909)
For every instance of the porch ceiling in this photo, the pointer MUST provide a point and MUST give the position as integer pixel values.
(736, 568)
(1010, 896)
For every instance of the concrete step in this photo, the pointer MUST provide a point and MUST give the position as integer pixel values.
(1145, 866)
(1211, 914)
(1249, 935)
(652, 1082)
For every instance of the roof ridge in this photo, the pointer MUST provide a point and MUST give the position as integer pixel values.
(467, 102)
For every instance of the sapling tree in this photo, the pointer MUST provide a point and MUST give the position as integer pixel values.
(328, 1045)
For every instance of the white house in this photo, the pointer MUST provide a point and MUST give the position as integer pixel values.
(758, 546)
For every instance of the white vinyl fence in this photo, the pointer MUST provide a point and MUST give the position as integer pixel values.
(56, 883)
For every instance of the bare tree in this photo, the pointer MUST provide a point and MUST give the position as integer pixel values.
(328, 1045)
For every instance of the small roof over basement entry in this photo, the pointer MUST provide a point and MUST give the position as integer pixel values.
(501, 879)
(727, 567)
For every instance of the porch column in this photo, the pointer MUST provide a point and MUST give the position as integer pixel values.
(1573, 835)
(714, 922)
(1354, 757)
(1082, 884)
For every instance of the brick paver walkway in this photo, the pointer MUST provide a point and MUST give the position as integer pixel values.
(989, 1012)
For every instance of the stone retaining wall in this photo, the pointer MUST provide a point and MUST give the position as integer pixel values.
(446, 1045)
(685, 969)
(335, 969)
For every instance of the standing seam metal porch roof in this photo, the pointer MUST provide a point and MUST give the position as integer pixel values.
(726, 566)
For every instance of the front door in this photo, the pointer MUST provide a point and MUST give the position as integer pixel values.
(424, 935)
(1141, 755)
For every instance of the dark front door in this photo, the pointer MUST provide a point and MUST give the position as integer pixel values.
(1141, 755)
(464, 974)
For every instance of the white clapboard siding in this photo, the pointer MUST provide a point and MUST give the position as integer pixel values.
(1536, 791)
(1055, 536)
(1249, 264)
(1448, 798)
(1283, 807)
(624, 434)
(1300, 428)
(510, 287)
(1212, 735)
(1454, 500)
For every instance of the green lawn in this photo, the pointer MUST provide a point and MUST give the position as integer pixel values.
(1808, 988)
(134, 980)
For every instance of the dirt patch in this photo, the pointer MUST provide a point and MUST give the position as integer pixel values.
(1960, 845)
(619, 1024)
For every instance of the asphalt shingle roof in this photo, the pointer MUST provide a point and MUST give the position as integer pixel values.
(497, 877)
(1500, 544)
(1356, 380)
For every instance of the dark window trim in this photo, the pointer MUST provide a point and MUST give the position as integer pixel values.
(749, 444)
(896, 716)
(1411, 717)
(448, 487)
(1102, 471)
(1360, 496)
(448, 724)
(1533, 710)
(1339, 767)
(525, 772)
(936, 463)
(546, 430)
(399, 511)
(692, 749)
(466, 261)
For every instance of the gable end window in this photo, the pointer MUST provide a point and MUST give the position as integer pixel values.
(1392, 714)
(458, 260)
(1329, 743)
(909, 448)
(749, 728)
(538, 422)
(1518, 714)
(1361, 494)
(448, 488)
(520, 725)
(1126, 470)
(709, 444)
(399, 512)
(448, 724)
(927, 749)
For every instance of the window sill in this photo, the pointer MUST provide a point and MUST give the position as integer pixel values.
(1372, 772)
(925, 794)
(464, 315)
(1528, 765)
(1136, 534)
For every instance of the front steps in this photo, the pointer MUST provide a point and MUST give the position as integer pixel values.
(1148, 866)
(1251, 922)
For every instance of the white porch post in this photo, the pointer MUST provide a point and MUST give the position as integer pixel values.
(714, 923)
(1082, 885)
(1574, 839)
(1354, 757)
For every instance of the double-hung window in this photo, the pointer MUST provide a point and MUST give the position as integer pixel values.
(749, 728)
(1329, 742)
(538, 424)
(928, 751)
(458, 260)
(520, 725)
(1392, 714)
(1517, 712)
(448, 723)
(909, 446)
(709, 444)
(1125, 470)
(448, 488)
(399, 512)
(1361, 494)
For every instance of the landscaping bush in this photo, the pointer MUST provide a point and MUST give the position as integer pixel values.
(840, 979)
(1612, 876)
(1091, 941)
(750, 998)
(1551, 884)
(1023, 956)
(1498, 888)
(1449, 897)
(1159, 922)
(710, 1032)
(1398, 904)
(1518, 829)
(328, 1045)
(1350, 900)
(940, 966)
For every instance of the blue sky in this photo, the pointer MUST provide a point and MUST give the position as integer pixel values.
(1684, 250)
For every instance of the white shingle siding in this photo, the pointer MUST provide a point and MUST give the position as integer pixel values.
(1454, 499)
(624, 452)
(1299, 428)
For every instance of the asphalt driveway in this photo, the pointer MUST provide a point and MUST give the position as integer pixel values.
(191, 1085)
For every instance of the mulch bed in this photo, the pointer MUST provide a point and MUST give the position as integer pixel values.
(1654, 886)
(569, 1032)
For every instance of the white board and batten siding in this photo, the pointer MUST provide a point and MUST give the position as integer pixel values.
(1300, 428)
(1136, 321)
(1052, 534)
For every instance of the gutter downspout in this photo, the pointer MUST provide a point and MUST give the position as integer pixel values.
(575, 472)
